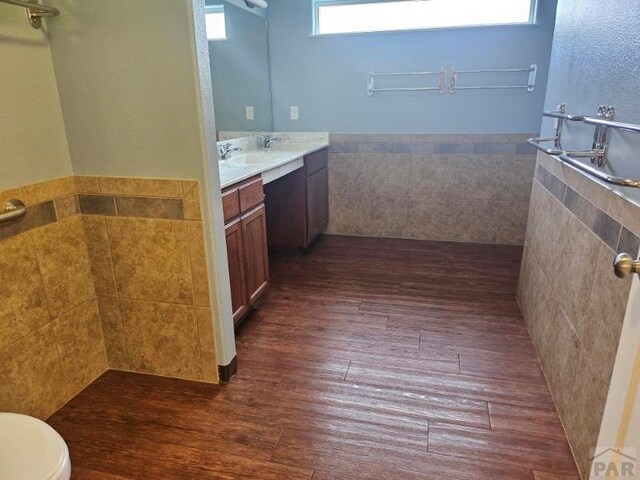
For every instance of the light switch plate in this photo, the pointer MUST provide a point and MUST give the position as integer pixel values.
(294, 112)
(249, 110)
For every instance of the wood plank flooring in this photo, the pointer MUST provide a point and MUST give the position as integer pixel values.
(369, 359)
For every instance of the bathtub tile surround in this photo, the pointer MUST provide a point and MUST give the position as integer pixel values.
(573, 304)
(105, 273)
(465, 188)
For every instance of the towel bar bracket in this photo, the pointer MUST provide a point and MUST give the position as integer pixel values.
(35, 11)
(600, 149)
(602, 134)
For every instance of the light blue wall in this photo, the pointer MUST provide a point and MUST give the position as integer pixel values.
(240, 72)
(326, 76)
(596, 61)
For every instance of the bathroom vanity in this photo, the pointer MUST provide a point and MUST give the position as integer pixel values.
(246, 236)
(275, 197)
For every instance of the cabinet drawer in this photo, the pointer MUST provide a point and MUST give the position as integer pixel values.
(315, 161)
(251, 194)
(230, 204)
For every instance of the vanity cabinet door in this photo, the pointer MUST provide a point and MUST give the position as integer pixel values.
(254, 234)
(236, 258)
(317, 203)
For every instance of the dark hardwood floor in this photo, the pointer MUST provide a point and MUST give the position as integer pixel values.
(370, 359)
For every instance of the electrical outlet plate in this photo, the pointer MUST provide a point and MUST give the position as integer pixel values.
(249, 112)
(294, 112)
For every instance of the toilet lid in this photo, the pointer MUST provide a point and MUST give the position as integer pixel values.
(29, 449)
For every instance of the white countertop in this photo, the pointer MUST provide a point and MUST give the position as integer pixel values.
(278, 161)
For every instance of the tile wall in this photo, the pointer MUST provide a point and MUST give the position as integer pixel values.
(51, 341)
(147, 253)
(464, 188)
(573, 304)
(101, 273)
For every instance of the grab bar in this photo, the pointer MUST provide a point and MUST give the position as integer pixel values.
(564, 116)
(599, 150)
(625, 182)
(535, 142)
(13, 209)
(625, 127)
(35, 11)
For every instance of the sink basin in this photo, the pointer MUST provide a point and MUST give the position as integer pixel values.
(251, 159)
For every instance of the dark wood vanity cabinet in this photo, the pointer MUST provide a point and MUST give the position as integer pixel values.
(317, 199)
(298, 204)
(254, 236)
(235, 256)
(246, 236)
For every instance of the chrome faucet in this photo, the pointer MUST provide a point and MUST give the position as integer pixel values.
(224, 150)
(265, 141)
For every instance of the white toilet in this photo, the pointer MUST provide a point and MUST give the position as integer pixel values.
(31, 450)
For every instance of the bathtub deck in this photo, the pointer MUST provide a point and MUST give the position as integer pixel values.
(370, 359)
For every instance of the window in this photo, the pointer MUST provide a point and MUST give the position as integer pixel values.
(355, 16)
(214, 17)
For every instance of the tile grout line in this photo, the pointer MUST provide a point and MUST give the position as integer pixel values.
(118, 297)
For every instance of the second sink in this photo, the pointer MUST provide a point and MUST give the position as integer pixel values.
(251, 158)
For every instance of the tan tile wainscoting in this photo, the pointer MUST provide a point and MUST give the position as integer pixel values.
(573, 304)
(101, 273)
(463, 188)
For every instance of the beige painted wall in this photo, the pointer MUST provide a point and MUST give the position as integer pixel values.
(119, 88)
(127, 87)
(32, 137)
(135, 89)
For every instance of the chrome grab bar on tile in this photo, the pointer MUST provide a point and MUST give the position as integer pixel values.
(598, 153)
(535, 142)
(560, 115)
(13, 209)
(568, 157)
(564, 116)
(601, 122)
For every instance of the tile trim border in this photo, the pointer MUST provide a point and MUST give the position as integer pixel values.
(61, 198)
(615, 235)
(458, 144)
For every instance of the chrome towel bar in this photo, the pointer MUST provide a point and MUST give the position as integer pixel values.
(35, 11)
(529, 87)
(599, 151)
(560, 115)
(563, 116)
(625, 127)
(624, 182)
(371, 88)
(13, 210)
(535, 142)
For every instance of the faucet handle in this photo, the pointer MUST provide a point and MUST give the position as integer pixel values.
(265, 141)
